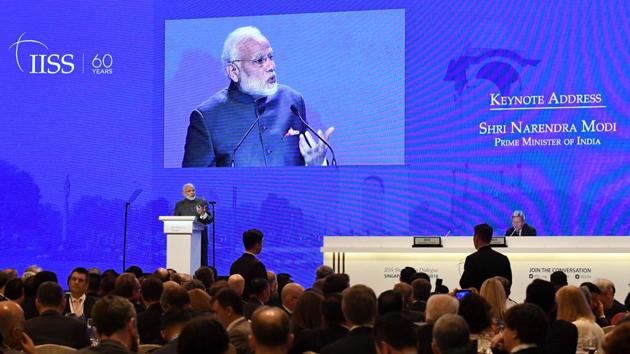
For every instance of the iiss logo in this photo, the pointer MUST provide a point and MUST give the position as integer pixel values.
(48, 63)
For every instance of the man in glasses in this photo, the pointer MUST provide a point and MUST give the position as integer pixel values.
(252, 122)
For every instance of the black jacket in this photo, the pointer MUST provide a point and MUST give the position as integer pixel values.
(360, 340)
(52, 328)
(483, 264)
(249, 267)
(149, 323)
(525, 231)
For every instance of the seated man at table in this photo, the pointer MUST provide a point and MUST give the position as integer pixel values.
(519, 226)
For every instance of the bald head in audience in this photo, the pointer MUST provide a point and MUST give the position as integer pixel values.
(290, 295)
(236, 282)
(439, 305)
(270, 331)
(12, 324)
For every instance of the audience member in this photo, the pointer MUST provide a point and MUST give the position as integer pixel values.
(77, 302)
(200, 301)
(12, 335)
(205, 275)
(493, 292)
(359, 309)
(135, 270)
(248, 265)
(51, 327)
(228, 307)
(336, 283)
(203, 335)
(451, 335)
(149, 319)
(94, 284)
(128, 286)
(175, 296)
(115, 320)
(406, 291)
(390, 301)
(332, 330)
(438, 305)
(561, 335)
(611, 306)
(394, 333)
(259, 295)
(14, 290)
(270, 331)
(28, 305)
(476, 311)
(194, 284)
(558, 279)
(323, 271)
(307, 313)
(4, 278)
(107, 285)
(290, 295)
(618, 341)
(172, 323)
(596, 304)
(236, 282)
(275, 299)
(406, 274)
(572, 307)
(507, 287)
(421, 292)
(525, 330)
(486, 262)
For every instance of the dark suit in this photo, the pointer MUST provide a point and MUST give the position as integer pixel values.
(187, 207)
(359, 340)
(483, 264)
(425, 337)
(168, 348)
(315, 339)
(106, 347)
(217, 125)
(250, 307)
(87, 306)
(526, 230)
(561, 337)
(149, 322)
(52, 328)
(249, 267)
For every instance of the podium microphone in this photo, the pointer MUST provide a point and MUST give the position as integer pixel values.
(260, 109)
(295, 111)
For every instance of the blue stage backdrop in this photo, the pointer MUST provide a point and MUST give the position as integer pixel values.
(447, 114)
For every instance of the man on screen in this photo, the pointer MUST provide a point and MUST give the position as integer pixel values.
(519, 227)
(219, 130)
(193, 206)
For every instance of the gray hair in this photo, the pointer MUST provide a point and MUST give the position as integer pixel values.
(519, 213)
(236, 38)
(604, 285)
(451, 333)
(187, 185)
(439, 305)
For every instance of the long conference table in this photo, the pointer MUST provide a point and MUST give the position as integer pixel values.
(376, 261)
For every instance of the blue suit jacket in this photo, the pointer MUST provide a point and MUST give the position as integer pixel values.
(217, 125)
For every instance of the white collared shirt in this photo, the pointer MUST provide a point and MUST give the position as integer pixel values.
(71, 301)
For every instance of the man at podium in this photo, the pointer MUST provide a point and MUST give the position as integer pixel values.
(519, 226)
(193, 206)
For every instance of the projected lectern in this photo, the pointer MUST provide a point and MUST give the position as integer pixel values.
(183, 243)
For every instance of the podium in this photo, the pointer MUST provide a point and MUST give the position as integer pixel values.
(183, 243)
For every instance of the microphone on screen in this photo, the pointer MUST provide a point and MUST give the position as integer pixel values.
(297, 113)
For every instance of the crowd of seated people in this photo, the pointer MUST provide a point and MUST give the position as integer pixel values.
(107, 312)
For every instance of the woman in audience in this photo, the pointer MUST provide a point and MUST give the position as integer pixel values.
(476, 311)
(572, 307)
(307, 313)
(493, 292)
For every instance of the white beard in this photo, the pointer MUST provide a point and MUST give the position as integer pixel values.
(255, 87)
